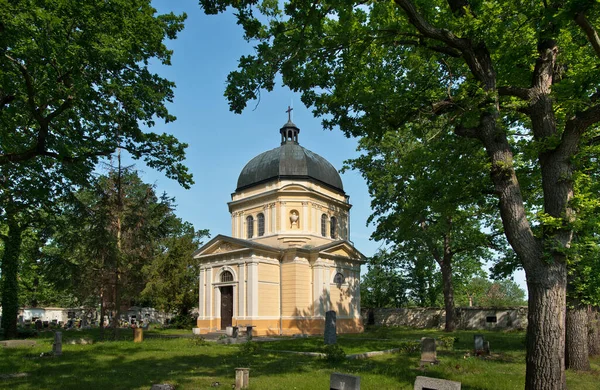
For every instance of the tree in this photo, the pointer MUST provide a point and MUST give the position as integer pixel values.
(172, 276)
(383, 285)
(497, 72)
(429, 204)
(74, 86)
(481, 291)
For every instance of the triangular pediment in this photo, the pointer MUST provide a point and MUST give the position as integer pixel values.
(220, 244)
(341, 249)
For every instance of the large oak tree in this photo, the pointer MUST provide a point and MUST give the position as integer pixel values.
(519, 76)
(74, 86)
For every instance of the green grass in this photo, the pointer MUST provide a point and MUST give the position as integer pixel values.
(126, 365)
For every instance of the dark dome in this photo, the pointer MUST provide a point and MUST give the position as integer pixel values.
(289, 161)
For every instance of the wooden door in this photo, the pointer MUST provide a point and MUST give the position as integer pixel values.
(226, 306)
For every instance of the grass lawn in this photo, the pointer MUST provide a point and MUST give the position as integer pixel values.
(126, 365)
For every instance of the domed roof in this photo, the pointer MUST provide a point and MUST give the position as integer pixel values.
(289, 161)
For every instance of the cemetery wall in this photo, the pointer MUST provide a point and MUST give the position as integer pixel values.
(467, 317)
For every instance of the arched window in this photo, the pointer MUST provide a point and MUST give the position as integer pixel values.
(324, 225)
(261, 224)
(339, 279)
(332, 227)
(249, 226)
(226, 276)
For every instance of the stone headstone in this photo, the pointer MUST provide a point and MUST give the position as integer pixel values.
(486, 347)
(249, 333)
(57, 346)
(138, 335)
(426, 383)
(232, 331)
(478, 342)
(428, 351)
(196, 331)
(330, 330)
(339, 381)
(242, 378)
(163, 387)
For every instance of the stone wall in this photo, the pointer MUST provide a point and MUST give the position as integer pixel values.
(467, 317)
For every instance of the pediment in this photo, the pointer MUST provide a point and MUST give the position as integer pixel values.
(219, 244)
(341, 249)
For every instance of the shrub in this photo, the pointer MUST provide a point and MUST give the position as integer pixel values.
(198, 341)
(334, 353)
(250, 348)
(25, 333)
(181, 321)
(447, 342)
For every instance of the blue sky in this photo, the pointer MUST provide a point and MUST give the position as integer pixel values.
(221, 143)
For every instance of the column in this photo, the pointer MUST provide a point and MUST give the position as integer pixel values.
(283, 217)
(241, 290)
(273, 213)
(304, 220)
(252, 286)
(208, 302)
(201, 287)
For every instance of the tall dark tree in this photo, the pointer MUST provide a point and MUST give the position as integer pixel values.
(74, 86)
(486, 68)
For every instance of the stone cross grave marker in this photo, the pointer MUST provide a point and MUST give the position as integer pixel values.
(478, 342)
(428, 352)
(242, 378)
(330, 330)
(426, 383)
(339, 381)
(57, 346)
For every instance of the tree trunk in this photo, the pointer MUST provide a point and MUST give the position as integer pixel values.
(448, 295)
(593, 332)
(576, 348)
(10, 284)
(546, 327)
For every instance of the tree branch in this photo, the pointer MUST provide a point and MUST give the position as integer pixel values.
(30, 88)
(589, 30)
(522, 93)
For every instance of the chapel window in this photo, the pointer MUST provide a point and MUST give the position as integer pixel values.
(249, 226)
(226, 276)
(324, 225)
(339, 279)
(261, 224)
(332, 227)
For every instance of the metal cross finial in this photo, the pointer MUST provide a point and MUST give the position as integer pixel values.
(289, 112)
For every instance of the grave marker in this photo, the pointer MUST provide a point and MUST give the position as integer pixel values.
(339, 381)
(478, 342)
(330, 328)
(242, 378)
(426, 383)
(428, 351)
(57, 346)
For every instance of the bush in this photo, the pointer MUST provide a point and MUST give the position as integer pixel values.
(250, 348)
(447, 342)
(182, 322)
(26, 333)
(334, 353)
(198, 341)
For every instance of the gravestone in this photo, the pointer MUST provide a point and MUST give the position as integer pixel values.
(330, 330)
(426, 383)
(249, 333)
(165, 386)
(138, 335)
(339, 381)
(57, 346)
(486, 347)
(428, 352)
(478, 342)
(242, 378)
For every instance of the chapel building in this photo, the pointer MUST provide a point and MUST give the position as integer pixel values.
(289, 258)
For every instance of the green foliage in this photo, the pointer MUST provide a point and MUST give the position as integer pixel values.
(447, 342)
(334, 353)
(483, 292)
(410, 346)
(198, 341)
(182, 321)
(250, 348)
(383, 285)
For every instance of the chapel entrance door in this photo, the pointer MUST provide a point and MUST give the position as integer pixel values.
(226, 306)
